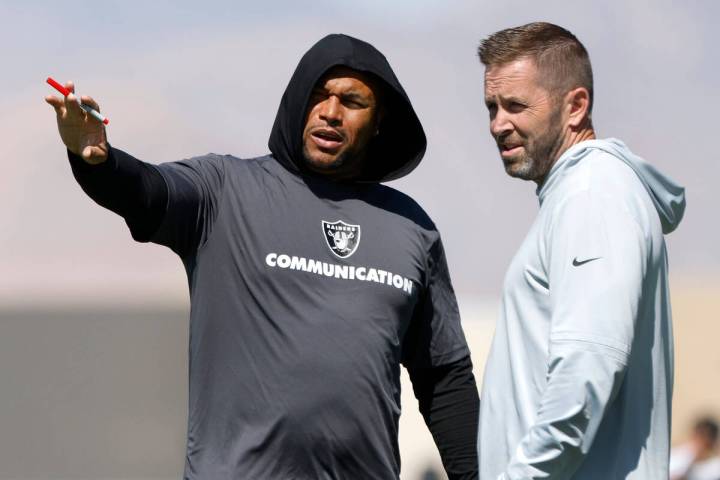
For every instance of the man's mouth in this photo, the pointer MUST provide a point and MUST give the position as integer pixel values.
(327, 138)
(510, 149)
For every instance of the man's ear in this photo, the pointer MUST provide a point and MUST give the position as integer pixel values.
(577, 102)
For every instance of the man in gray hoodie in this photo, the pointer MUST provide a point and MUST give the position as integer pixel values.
(578, 382)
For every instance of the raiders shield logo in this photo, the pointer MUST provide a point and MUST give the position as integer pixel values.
(343, 239)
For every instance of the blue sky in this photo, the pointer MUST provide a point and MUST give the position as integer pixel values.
(179, 79)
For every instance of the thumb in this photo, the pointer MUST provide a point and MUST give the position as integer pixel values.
(94, 154)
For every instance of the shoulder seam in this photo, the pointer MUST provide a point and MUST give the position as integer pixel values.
(221, 199)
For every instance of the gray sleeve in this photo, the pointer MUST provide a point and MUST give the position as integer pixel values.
(194, 191)
(594, 307)
(435, 336)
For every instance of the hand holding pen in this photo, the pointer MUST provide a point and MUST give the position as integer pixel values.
(81, 126)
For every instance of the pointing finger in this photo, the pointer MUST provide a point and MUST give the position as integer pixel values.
(72, 105)
(55, 102)
(71, 101)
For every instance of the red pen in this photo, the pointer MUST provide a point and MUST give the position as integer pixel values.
(57, 86)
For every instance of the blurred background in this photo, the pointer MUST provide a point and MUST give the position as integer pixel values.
(93, 327)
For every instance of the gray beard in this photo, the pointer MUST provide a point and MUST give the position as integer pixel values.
(541, 153)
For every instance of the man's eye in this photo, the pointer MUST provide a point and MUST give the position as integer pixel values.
(317, 95)
(516, 107)
(352, 103)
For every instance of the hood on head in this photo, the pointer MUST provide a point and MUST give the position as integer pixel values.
(401, 143)
(668, 196)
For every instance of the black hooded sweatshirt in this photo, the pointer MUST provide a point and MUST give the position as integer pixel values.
(306, 295)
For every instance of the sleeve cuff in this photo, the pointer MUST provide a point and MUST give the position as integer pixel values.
(80, 165)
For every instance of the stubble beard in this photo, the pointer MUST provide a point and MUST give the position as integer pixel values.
(346, 163)
(539, 154)
(336, 163)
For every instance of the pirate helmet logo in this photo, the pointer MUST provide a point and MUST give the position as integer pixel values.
(342, 238)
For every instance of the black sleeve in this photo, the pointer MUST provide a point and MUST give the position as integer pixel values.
(172, 204)
(449, 403)
(133, 189)
(435, 336)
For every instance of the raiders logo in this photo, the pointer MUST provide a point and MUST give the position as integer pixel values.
(343, 239)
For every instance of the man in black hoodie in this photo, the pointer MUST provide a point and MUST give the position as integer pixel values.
(309, 281)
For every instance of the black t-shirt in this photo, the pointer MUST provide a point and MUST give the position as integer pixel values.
(306, 295)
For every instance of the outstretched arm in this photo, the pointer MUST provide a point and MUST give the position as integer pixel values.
(133, 189)
(115, 180)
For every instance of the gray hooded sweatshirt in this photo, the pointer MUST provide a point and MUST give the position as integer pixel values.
(578, 383)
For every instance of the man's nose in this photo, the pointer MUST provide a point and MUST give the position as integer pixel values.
(331, 111)
(500, 124)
